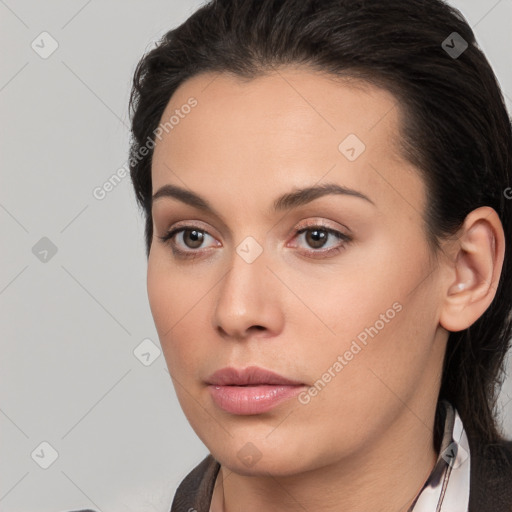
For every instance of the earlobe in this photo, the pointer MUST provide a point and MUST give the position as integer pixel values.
(473, 274)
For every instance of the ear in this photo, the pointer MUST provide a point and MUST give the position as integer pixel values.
(473, 269)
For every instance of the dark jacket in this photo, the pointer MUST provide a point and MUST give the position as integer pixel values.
(491, 478)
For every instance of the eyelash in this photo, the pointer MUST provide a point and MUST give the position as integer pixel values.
(192, 254)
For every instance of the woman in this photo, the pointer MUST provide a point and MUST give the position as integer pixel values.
(326, 187)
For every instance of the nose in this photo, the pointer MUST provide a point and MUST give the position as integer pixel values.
(248, 302)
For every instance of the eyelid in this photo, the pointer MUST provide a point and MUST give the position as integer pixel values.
(190, 225)
(343, 239)
(180, 227)
(322, 223)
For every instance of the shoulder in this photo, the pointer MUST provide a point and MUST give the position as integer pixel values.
(491, 477)
(195, 490)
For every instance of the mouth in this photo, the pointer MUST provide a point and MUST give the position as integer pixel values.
(252, 399)
(252, 390)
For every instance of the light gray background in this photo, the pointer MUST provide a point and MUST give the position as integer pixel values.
(70, 324)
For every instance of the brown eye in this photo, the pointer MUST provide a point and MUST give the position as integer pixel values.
(192, 238)
(316, 238)
(189, 241)
(322, 241)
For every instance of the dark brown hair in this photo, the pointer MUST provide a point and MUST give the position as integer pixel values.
(454, 127)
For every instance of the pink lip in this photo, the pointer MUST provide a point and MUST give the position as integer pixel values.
(252, 390)
(252, 375)
(251, 399)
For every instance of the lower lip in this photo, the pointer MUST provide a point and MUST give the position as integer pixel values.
(252, 399)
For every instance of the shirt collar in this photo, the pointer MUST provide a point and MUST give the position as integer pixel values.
(447, 487)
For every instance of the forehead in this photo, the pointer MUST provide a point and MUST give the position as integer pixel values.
(291, 124)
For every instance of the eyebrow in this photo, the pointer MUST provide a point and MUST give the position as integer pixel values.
(287, 201)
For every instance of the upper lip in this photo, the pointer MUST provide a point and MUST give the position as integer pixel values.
(230, 376)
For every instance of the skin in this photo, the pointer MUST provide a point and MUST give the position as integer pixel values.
(295, 309)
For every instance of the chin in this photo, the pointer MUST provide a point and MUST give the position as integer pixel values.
(257, 458)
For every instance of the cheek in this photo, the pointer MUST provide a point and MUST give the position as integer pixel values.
(161, 295)
(365, 290)
(180, 300)
(172, 298)
(172, 291)
(380, 315)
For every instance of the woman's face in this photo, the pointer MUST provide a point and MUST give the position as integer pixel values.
(349, 307)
